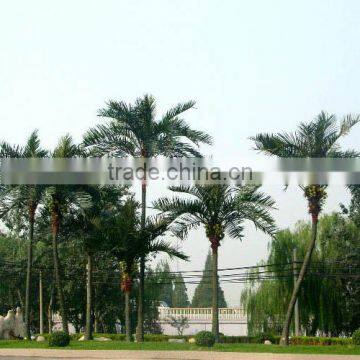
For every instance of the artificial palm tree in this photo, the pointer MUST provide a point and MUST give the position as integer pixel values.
(129, 242)
(59, 199)
(103, 199)
(221, 209)
(20, 197)
(134, 130)
(317, 139)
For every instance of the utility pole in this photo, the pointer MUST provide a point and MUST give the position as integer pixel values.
(296, 309)
(41, 310)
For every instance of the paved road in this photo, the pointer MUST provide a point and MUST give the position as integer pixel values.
(43, 354)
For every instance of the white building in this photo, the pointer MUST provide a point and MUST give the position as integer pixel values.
(232, 321)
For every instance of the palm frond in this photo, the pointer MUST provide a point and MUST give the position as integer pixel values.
(347, 123)
(318, 138)
(178, 109)
(9, 151)
(224, 205)
(66, 148)
(133, 130)
(32, 148)
(112, 138)
(282, 145)
(161, 246)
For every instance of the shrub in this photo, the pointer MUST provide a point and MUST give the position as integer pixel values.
(235, 339)
(261, 337)
(356, 337)
(156, 338)
(317, 340)
(205, 338)
(59, 338)
(164, 338)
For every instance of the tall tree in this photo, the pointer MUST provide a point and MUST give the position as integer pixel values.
(12, 256)
(180, 296)
(328, 299)
(203, 292)
(166, 278)
(134, 130)
(354, 208)
(317, 139)
(220, 209)
(129, 242)
(59, 200)
(103, 198)
(17, 199)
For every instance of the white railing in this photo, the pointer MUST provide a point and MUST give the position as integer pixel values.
(202, 314)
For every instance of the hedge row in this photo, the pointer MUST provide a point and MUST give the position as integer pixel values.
(259, 339)
(312, 340)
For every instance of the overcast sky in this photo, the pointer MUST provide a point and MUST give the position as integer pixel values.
(251, 66)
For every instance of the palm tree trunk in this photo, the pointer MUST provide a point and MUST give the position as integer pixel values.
(20, 297)
(41, 306)
(95, 313)
(59, 289)
(140, 313)
(285, 334)
(127, 316)
(28, 271)
(96, 322)
(50, 312)
(88, 327)
(215, 293)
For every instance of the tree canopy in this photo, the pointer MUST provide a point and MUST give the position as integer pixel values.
(203, 292)
(329, 306)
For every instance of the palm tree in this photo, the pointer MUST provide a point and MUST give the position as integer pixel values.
(221, 209)
(60, 199)
(134, 130)
(18, 198)
(103, 198)
(129, 242)
(317, 139)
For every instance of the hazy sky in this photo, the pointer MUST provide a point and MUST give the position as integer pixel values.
(251, 66)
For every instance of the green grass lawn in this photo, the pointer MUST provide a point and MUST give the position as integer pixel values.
(120, 345)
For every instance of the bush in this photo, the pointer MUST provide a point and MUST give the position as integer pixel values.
(59, 338)
(356, 337)
(236, 339)
(258, 339)
(319, 341)
(261, 337)
(205, 338)
(156, 338)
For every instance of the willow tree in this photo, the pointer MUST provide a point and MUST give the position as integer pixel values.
(317, 139)
(269, 286)
(24, 201)
(221, 209)
(328, 297)
(134, 130)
